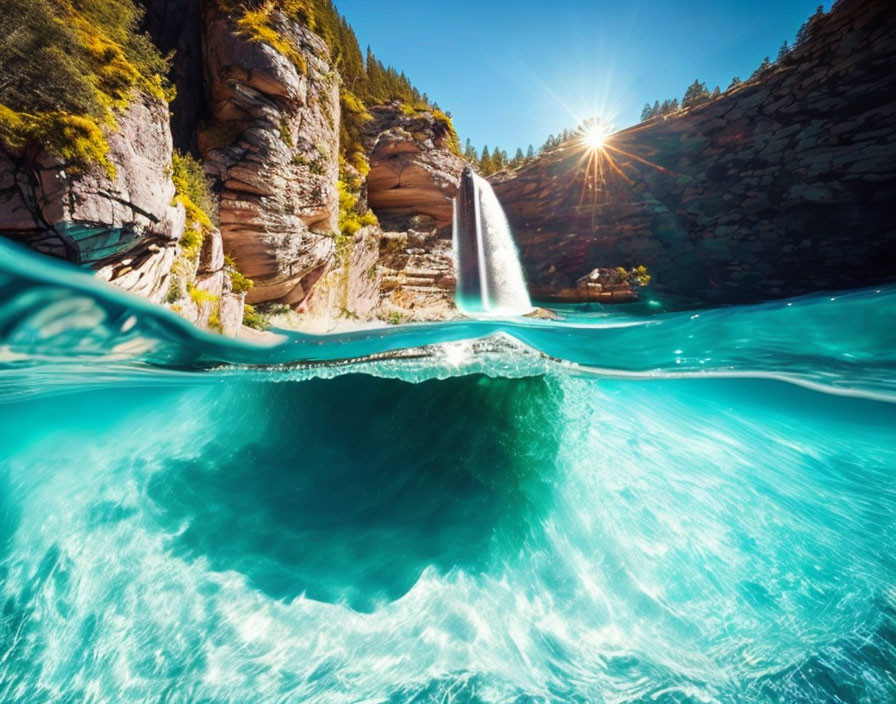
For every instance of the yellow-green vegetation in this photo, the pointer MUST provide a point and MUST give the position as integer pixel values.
(191, 190)
(200, 296)
(365, 80)
(255, 320)
(351, 218)
(452, 140)
(260, 318)
(395, 318)
(238, 282)
(637, 276)
(259, 24)
(68, 67)
(193, 193)
(203, 298)
(354, 115)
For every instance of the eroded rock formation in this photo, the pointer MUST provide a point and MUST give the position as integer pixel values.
(272, 145)
(123, 225)
(782, 186)
(414, 168)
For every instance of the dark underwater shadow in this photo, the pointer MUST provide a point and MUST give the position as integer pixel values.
(361, 483)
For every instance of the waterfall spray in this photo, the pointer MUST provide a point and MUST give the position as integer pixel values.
(489, 275)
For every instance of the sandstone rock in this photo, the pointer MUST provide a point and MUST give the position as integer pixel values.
(125, 227)
(350, 290)
(413, 169)
(418, 279)
(272, 146)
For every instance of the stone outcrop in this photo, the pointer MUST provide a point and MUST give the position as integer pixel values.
(271, 144)
(414, 167)
(394, 277)
(601, 285)
(201, 290)
(413, 179)
(784, 185)
(123, 225)
(418, 278)
(350, 289)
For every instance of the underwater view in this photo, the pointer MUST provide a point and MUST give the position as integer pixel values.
(637, 507)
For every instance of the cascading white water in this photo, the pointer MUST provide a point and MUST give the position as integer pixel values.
(501, 286)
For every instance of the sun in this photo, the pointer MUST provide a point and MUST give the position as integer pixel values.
(594, 135)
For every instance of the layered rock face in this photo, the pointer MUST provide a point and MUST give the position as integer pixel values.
(123, 225)
(413, 169)
(783, 186)
(272, 146)
(350, 289)
(418, 277)
(413, 179)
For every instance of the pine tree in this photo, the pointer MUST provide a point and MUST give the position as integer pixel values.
(696, 93)
(716, 92)
(763, 67)
(735, 82)
(783, 51)
(530, 153)
(497, 160)
(518, 158)
(646, 112)
(485, 162)
(470, 153)
(805, 31)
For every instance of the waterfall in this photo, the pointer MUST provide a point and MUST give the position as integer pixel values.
(489, 275)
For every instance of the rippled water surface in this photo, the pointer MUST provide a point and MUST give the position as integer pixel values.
(620, 506)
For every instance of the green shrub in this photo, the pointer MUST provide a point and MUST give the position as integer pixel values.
(214, 323)
(200, 296)
(238, 282)
(190, 182)
(255, 320)
(350, 218)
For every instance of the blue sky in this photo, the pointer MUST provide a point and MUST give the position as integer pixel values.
(513, 72)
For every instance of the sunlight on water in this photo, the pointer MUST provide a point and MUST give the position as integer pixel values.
(588, 510)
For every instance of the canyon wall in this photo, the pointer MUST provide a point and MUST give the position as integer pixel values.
(782, 186)
(263, 119)
(272, 147)
(123, 223)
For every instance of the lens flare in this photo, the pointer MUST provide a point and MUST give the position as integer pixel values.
(594, 136)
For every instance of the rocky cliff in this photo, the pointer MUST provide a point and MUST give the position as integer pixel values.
(414, 164)
(784, 185)
(781, 186)
(272, 146)
(258, 102)
(121, 222)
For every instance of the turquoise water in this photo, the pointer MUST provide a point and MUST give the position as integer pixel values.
(615, 507)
